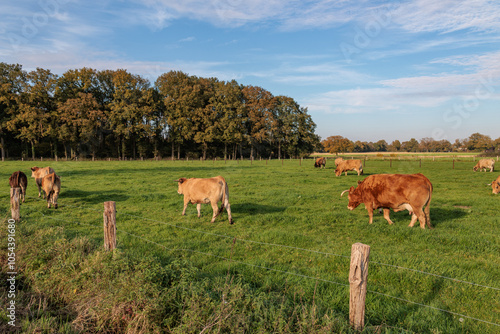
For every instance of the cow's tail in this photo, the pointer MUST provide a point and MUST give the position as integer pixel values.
(427, 209)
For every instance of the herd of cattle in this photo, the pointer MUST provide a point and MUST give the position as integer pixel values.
(411, 192)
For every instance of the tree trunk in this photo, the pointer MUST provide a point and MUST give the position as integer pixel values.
(3, 148)
(205, 146)
(279, 150)
(179, 152)
(33, 150)
(225, 150)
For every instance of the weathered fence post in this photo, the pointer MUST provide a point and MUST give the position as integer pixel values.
(358, 275)
(109, 225)
(14, 203)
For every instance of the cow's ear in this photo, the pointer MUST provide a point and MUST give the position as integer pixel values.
(33, 169)
(182, 180)
(359, 182)
(351, 189)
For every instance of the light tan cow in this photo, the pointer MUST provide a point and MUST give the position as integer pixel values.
(51, 185)
(338, 161)
(495, 185)
(38, 173)
(485, 164)
(347, 165)
(210, 190)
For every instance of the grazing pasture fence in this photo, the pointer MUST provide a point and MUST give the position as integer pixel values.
(358, 275)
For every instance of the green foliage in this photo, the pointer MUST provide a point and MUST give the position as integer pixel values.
(181, 274)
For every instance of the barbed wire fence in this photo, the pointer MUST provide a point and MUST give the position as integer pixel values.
(267, 268)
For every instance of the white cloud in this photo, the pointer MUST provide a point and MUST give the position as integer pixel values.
(448, 15)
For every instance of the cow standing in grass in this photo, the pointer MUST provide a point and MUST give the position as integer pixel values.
(19, 180)
(51, 185)
(39, 173)
(495, 185)
(320, 162)
(347, 165)
(394, 191)
(485, 164)
(210, 190)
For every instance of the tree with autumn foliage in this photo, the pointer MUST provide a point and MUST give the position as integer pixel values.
(260, 122)
(337, 144)
(32, 121)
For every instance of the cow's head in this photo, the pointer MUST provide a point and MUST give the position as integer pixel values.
(495, 186)
(34, 170)
(180, 182)
(338, 171)
(476, 167)
(354, 197)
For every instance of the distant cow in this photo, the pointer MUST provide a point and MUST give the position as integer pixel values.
(51, 185)
(338, 160)
(19, 180)
(495, 185)
(211, 190)
(394, 191)
(320, 162)
(38, 173)
(485, 164)
(346, 165)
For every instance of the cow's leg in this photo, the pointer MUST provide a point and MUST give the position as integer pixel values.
(413, 220)
(369, 208)
(387, 217)
(215, 209)
(421, 217)
(55, 195)
(48, 200)
(228, 209)
(23, 194)
(198, 208)
(186, 202)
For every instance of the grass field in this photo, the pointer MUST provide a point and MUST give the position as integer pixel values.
(290, 244)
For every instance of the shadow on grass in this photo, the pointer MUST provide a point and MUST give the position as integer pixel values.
(94, 197)
(441, 215)
(253, 208)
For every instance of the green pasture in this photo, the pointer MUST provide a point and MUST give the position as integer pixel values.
(293, 234)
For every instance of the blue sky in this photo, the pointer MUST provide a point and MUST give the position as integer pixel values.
(366, 70)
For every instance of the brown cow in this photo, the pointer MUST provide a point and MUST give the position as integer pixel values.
(338, 160)
(346, 165)
(394, 191)
(51, 185)
(211, 190)
(485, 164)
(38, 173)
(19, 180)
(495, 185)
(320, 162)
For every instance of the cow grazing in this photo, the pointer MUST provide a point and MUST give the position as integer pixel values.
(394, 191)
(51, 185)
(338, 160)
(210, 190)
(38, 173)
(346, 165)
(495, 185)
(485, 164)
(19, 180)
(320, 162)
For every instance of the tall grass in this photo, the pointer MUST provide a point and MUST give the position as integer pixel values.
(282, 267)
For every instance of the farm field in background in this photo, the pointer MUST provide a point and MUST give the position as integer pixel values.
(293, 233)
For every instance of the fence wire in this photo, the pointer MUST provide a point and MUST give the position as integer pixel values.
(282, 271)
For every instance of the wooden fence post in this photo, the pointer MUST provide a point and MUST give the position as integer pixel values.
(14, 203)
(358, 275)
(109, 225)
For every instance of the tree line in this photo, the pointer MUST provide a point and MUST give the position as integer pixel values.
(114, 113)
(476, 142)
